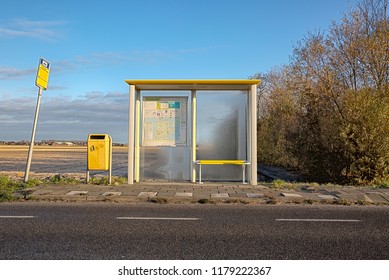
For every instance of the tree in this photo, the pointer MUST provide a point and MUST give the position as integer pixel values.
(359, 46)
(328, 111)
(277, 120)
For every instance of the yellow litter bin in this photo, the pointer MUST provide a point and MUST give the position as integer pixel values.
(99, 153)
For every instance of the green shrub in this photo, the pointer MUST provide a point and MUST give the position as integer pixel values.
(7, 187)
(58, 179)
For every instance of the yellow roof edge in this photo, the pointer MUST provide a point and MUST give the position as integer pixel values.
(191, 82)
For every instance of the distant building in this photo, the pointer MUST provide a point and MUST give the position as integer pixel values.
(62, 144)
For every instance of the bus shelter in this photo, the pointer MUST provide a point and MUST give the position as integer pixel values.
(181, 130)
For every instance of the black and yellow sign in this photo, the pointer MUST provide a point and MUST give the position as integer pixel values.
(42, 77)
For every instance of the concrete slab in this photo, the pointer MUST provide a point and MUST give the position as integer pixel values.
(111, 193)
(42, 192)
(351, 191)
(231, 187)
(310, 196)
(148, 190)
(200, 192)
(184, 194)
(236, 195)
(377, 197)
(260, 187)
(351, 197)
(74, 193)
(147, 194)
(327, 196)
(290, 194)
(130, 193)
(368, 199)
(248, 191)
(220, 195)
(254, 195)
(220, 191)
(386, 196)
(201, 195)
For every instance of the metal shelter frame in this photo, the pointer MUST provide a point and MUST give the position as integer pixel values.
(134, 116)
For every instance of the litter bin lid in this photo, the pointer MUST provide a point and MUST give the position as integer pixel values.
(97, 136)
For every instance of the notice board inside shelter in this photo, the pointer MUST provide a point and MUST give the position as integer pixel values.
(164, 121)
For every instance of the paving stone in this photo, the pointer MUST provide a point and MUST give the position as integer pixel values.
(261, 187)
(239, 191)
(156, 189)
(130, 193)
(167, 189)
(350, 197)
(74, 193)
(229, 187)
(59, 192)
(147, 194)
(290, 194)
(42, 192)
(242, 195)
(184, 190)
(165, 194)
(220, 195)
(248, 191)
(184, 194)
(310, 196)
(386, 196)
(327, 196)
(201, 195)
(352, 191)
(254, 195)
(376, 197)
(111, 193)
(367, 199)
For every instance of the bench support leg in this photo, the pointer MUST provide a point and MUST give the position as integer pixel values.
(244, 173)
(200, 174)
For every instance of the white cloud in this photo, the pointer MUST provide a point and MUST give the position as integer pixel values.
(25, 28)
(66, 117)
(11, 73)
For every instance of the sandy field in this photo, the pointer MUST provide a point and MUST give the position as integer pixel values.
(55, 160)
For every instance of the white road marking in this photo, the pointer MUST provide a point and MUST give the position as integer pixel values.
(17, 217)
(318, 220)
(157, 218)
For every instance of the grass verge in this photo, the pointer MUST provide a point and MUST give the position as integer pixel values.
(8, 187)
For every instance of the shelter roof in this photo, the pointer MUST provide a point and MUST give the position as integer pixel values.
(192, 84)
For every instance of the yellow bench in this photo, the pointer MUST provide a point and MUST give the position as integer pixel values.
(243, 163)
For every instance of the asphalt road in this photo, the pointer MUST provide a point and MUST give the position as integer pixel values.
(148, 231)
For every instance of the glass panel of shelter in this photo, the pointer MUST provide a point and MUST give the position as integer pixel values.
(221, 127)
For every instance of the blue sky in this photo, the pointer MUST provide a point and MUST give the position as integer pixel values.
(93, 46)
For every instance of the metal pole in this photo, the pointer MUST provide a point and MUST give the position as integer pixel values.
(110, 161)
(29, 158)
(194, 140)
(253, 135)
(137, 136)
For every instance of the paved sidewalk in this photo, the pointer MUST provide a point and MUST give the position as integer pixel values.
(172, 192)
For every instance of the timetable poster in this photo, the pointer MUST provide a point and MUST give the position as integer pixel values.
(164, 121)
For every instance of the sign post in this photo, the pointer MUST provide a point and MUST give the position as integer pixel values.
(41, 82)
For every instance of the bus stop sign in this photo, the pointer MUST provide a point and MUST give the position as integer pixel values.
(42, 77)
